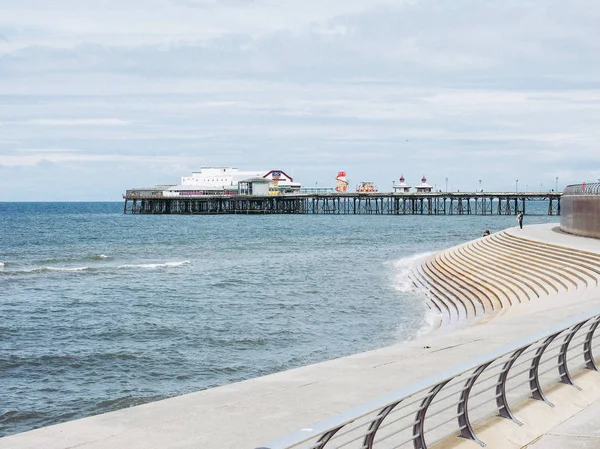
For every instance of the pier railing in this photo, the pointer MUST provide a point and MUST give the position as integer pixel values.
(592, 188)
(450, 403)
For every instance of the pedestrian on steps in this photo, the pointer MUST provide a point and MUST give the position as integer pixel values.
(520, 219)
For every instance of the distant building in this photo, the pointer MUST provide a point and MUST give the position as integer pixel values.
(218, 178)
(225, 181)
(424, 187)
(403, 187)
(257, 186)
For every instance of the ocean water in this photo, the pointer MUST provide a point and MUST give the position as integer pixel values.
(100, 310)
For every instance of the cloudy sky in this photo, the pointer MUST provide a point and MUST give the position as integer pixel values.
(98, 96)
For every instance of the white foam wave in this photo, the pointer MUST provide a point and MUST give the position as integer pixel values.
(102, 256)
(156, 265)
(74, 269)
(403, 268)
(432, 320)
(2, 265)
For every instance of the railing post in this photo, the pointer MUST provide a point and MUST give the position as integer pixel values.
(588, 356)
(501, 399)
(563, 369)
(419, 427)
(370, 436)
(534, 381)
(464, 424)
(325, 438)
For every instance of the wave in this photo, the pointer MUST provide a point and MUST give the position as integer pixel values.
(2, 265)
(46, 269)
(403, 268)
(63, 269)
(156, 265)
(75, 259)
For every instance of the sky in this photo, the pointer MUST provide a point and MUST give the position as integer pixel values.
(101, 96)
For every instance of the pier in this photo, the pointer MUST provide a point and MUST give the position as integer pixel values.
(431, 203)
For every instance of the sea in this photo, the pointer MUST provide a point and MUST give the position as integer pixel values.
(100, 311)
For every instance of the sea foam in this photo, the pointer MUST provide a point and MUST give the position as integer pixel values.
(156, 265)
(403, 268)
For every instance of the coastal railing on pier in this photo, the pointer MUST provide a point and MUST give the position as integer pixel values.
(434, 203)
(452, 402)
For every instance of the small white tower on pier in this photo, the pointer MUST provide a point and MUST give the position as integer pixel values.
(424, 187)
(403, 187)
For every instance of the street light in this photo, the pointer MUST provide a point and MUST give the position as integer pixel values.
(480, 185)
(446, 185)
(516, 185)
(556, 189)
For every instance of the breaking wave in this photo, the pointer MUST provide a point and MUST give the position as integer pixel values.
(156, 265)
(403, 268)
(62, 269)
(47, 269)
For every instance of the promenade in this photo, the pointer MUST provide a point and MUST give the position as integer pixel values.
(248, 414)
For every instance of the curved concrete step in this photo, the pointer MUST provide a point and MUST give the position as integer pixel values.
(484, 295)
(518, 269)
(454, 303)
(542, 266)
(572, 256)
(508, 282)
(592, 256)
(493, 273)
(503, 295)
(462, 292)
(568, 264)
(430, 291)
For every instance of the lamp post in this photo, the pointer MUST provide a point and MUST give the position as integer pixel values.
(556, 189)
(480, 185)
(516, 186)
(446, 185)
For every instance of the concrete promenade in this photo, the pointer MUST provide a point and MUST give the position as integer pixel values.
(250, 413)
(581, 431)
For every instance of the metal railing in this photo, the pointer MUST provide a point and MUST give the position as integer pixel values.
(592, 188)
(449, 403)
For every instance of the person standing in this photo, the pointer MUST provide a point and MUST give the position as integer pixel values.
(520, 219)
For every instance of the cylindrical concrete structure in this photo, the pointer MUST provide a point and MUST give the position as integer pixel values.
(580, 210)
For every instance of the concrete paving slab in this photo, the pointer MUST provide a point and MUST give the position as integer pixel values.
(585, 423)
(562, 442)
(580, 431)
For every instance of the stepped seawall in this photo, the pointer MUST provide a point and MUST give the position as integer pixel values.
(483, 278)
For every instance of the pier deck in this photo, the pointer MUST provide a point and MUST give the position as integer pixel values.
(435, 203)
